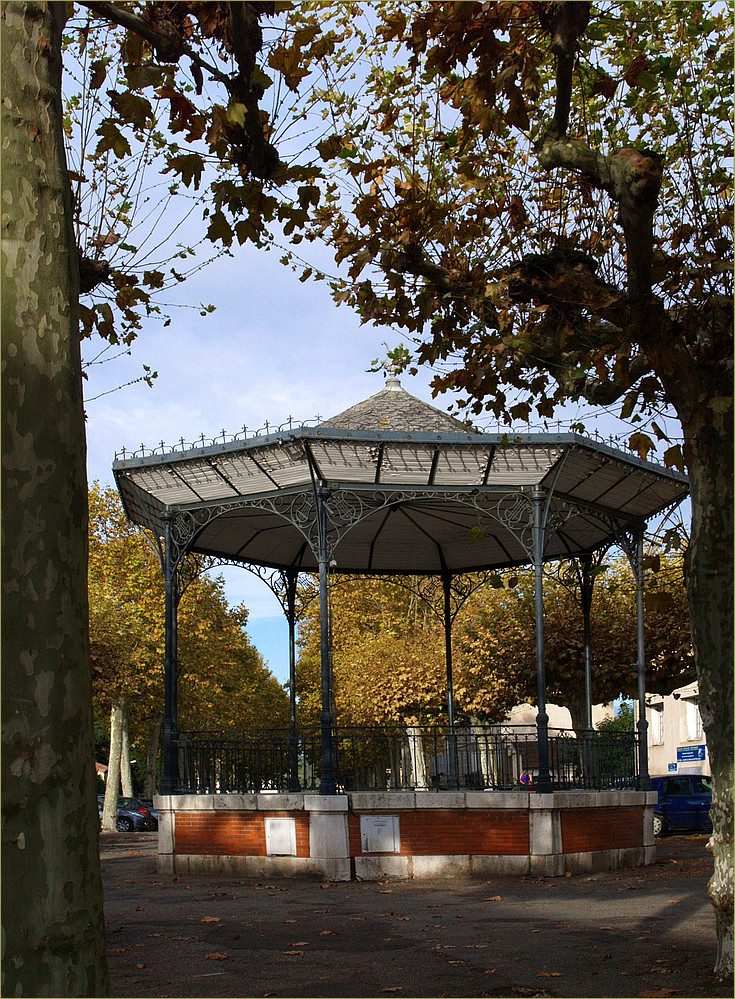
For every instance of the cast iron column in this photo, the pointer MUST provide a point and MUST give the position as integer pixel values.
(585, 595)
(452, 748)
(328, 783)
(543, 782)
(293, 783)
(644, 780)
(169, 778)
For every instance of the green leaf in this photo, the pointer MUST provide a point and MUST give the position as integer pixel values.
(236, 113)
(190, 166)
(131, 108)
(111, 140)
(219, 230)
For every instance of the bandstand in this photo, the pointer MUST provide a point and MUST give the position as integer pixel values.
(396, 487)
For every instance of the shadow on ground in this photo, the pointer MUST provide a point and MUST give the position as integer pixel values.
(639, 932)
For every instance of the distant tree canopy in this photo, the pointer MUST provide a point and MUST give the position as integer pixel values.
(389, 647)
(223, 681)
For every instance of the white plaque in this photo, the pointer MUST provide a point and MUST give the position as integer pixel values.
(280, 837)
(380, 834)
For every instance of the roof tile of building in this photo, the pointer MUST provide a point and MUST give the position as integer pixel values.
(395, 409)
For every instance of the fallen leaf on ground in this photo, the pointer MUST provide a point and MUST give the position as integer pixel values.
(320, 912)
(456, 962)
(328, 933)
(217, 957)
(300, 943)
(289, 920)
(475, 946)
(210, 919)
(673, 901)
(141, 966)
(549, 974)
(490, 971)
(385, 891)
(494, 898)
(294, 953)
(398, 988)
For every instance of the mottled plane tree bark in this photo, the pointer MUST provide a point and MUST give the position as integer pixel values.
(51, 890)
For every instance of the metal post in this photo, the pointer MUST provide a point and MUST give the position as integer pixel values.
(585, 593)
(451, 747)
(328, 783)
(293, 783)
(644, 780)
(543, 782)
(169, 779)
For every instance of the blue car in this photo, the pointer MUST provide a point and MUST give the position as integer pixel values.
(684, 801)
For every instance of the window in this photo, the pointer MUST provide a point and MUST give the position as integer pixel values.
(656, 723)
(678, 786)
(693, 720)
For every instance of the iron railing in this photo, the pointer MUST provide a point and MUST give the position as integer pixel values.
(396, 758)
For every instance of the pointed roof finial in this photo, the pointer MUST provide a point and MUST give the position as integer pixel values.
(396, 361)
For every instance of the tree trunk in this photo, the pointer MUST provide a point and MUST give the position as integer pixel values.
(126, 774)
(710, 594)
(112, 790)
(52, 894)
(151, 762)
(416, 753)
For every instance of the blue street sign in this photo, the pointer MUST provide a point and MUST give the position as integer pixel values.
(689, 753)
(672, 768)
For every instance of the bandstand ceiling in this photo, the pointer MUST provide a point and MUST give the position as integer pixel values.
(407, 488)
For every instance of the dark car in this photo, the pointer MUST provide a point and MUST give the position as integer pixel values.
(132, 815)
(684, 801)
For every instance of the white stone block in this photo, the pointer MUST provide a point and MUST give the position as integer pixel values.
(456, 866)
(235, 802)
(509, 865)
(545, 832)
(442, 799)
(382, 801)
(280, 802)
(546, 867)
(377, 868)
(326, 802)
(328, 835)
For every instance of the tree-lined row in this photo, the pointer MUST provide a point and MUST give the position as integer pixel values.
(389, 662)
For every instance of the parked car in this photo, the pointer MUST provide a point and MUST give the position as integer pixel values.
(133, 815)
(684, 801)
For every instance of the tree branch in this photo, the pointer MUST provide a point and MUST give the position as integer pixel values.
(565, 22)
(165, 40)
(604, 393)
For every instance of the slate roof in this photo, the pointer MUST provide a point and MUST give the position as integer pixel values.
(395, 409)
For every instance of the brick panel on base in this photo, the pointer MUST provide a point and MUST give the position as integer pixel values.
(458, 833)
(586, 829)
(230, 834)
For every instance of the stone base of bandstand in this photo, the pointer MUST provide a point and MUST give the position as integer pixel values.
(424, 834)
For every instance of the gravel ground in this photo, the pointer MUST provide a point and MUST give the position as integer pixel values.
(637, 932)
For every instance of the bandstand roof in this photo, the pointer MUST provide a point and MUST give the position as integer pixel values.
(407, 488)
